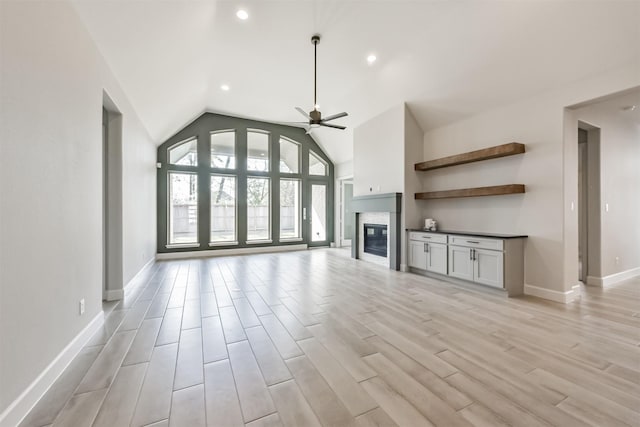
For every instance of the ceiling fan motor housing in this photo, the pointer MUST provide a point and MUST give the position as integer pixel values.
(315, 117)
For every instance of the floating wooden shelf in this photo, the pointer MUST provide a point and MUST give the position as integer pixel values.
(496, 190)
(472, 156)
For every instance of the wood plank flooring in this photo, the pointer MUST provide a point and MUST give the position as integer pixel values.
(316, 338)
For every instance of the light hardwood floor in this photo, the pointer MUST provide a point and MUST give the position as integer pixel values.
(315, 338)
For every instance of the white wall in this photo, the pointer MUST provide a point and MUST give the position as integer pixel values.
(411, 209)
(541, 213)
(385, 151)
(619, 180)
(342, 170)
(378, 154)
(51, 88)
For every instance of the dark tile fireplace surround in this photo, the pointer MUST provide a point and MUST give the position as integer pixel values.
(389, 203)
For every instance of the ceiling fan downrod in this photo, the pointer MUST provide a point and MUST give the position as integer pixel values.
(315, 39)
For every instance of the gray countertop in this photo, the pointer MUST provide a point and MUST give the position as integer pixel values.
(472, 233)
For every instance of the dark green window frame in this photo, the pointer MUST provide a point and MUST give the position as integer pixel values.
(201, 129)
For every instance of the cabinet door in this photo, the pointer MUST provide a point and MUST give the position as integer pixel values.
(437, 258)
(488, 267)
(417, 255)
(460, 262)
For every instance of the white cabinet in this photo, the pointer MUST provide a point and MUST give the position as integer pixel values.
(488, 267)
(417, 254)
(496, 262)
(460, 262)
(428, 251)
(478, 265)
(437, 257)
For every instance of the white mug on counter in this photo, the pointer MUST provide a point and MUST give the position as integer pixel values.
(430, 224)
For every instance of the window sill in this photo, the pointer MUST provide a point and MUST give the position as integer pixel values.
(223, 243)
(257, 242)
(182, 245)
(293, 239)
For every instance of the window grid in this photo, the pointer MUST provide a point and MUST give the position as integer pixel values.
(268, 170)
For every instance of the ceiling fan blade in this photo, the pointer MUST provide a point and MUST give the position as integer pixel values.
(335, 116)
(332, 126)
(304, 113)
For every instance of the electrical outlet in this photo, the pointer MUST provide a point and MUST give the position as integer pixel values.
(82, 306)
(617, 260)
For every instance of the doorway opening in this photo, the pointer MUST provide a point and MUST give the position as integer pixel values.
(588, 201)
(346, 212)
(112, 268)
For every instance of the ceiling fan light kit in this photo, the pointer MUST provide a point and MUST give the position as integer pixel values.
(315, 116)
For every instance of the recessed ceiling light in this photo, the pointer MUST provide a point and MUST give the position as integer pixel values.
(371, 59)
(242, 14)
(225, 87)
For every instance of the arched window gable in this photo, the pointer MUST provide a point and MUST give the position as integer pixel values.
(240, 157)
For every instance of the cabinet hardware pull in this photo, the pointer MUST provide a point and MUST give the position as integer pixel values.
(472, 241)
(424, 247)
(427, 245)
(471, 254)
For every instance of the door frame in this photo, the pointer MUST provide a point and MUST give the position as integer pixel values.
(112, 201)
(308, 217)
(341, 214)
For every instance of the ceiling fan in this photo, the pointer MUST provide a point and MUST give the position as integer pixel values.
(314, 116)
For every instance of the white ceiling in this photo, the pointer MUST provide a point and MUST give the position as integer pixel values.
(446, 59)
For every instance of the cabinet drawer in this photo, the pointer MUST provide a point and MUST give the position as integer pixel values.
(428, 237)
(475, 242)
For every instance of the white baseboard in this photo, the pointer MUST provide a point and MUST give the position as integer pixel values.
(113, 295)
(148, 264)
(227, 252)
(612, 279)
(20, 407)
(118, 294)
(557, 296)
(143, 269)
(594, 281)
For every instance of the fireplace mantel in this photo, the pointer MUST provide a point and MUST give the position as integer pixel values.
(387, 202)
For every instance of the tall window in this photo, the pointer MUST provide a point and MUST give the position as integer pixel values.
(257, 151)
(258, 208)
(223, 209)
(290, 209)
(183, 208)
(184, 153)
(289, 156)
(227, 182)
(223, 149)
(317, 166)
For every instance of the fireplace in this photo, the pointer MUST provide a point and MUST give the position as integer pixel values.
(378, 212)
(375, 239)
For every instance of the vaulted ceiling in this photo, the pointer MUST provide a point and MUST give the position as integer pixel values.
(446, 59)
